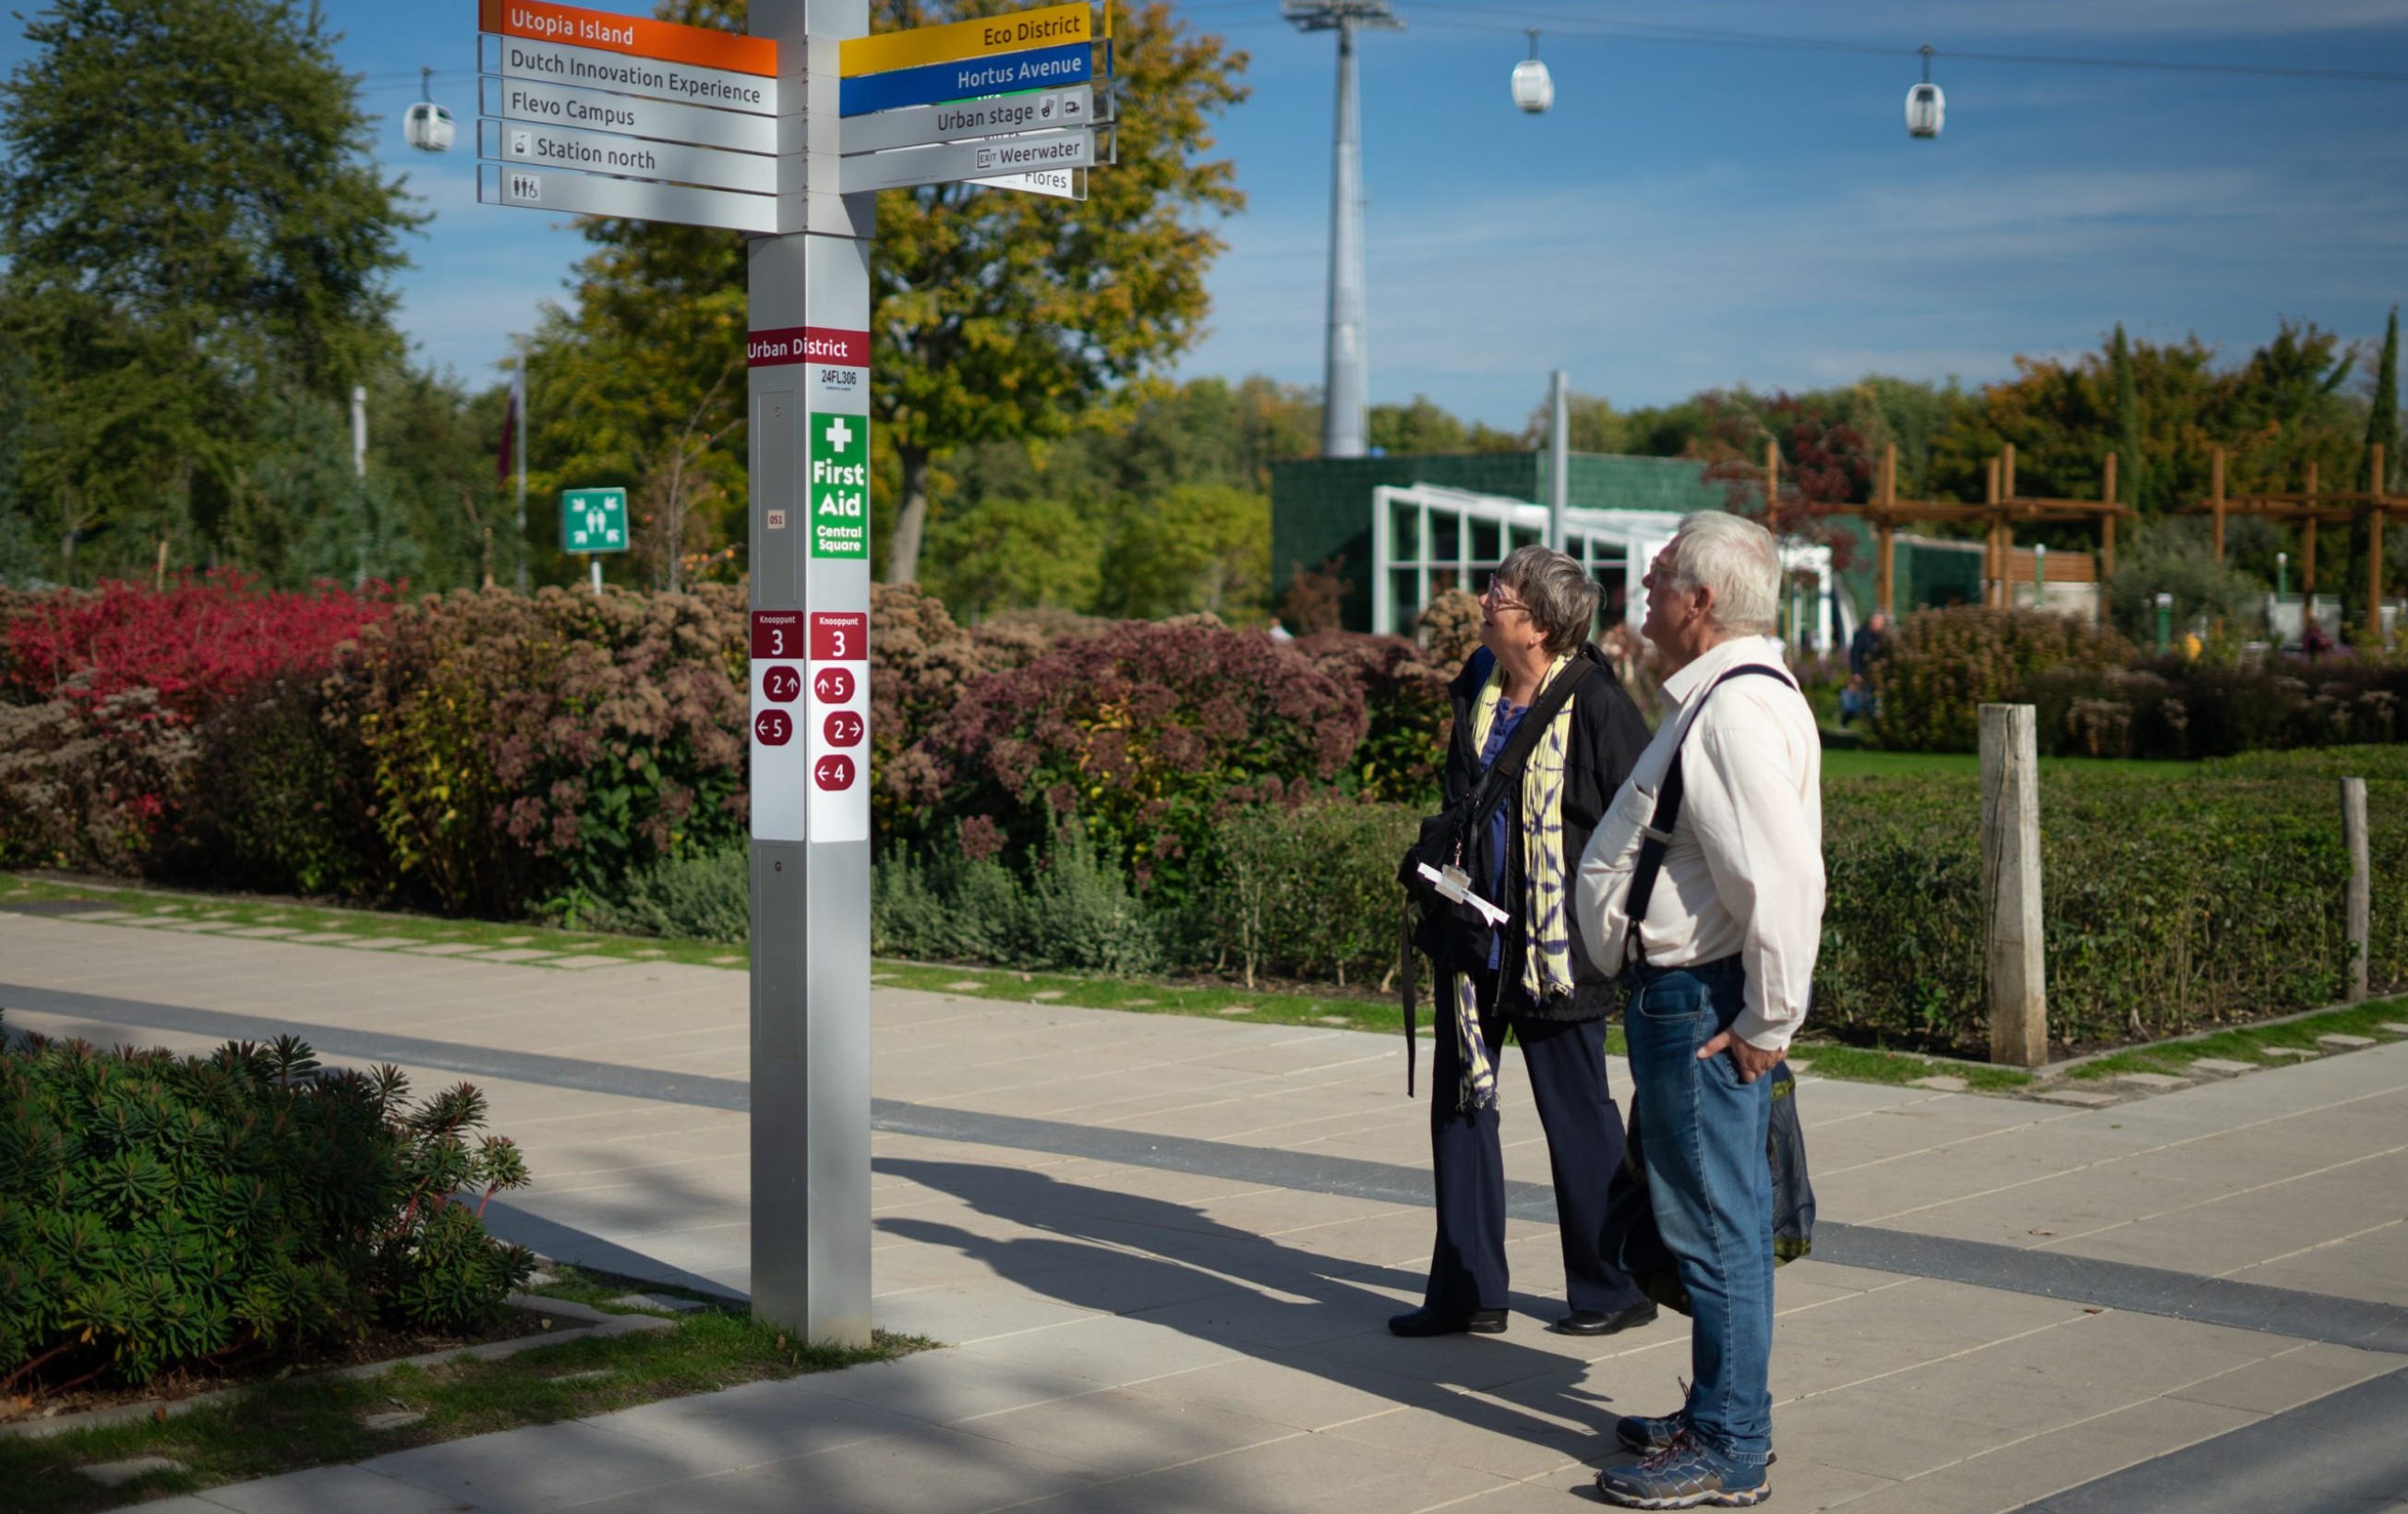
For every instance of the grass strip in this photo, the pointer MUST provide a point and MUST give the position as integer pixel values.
(2253, 1044)
(1333, 1010)
(285, 1426)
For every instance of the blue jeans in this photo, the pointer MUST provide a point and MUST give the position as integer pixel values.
(1703, 1134)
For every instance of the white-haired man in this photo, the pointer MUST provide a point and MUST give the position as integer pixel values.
(1720, 963)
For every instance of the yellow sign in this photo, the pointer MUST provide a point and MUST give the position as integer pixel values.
(1014, 32)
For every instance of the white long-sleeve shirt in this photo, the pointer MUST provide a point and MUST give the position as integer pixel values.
(1743, 874)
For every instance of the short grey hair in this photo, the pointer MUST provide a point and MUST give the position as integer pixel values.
(1735, 557)
(1557, 591)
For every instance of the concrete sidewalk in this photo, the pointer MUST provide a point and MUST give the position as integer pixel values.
(1163, 1251)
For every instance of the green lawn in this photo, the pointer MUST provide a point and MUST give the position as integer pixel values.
(285, 1425)
(1862, 763)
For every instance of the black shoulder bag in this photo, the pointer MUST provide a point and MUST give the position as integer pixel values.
(1431, 919)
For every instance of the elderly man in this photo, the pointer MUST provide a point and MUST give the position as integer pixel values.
(1720, 956)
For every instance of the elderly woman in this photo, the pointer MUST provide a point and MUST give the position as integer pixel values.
(1529, 976)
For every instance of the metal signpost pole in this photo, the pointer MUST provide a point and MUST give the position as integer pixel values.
(809, 539)
(595, 113)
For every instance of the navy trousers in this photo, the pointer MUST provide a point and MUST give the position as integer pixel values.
(1566, 1067)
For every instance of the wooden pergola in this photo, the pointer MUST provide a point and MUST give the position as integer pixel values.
(2001, 511)
(2309, 508)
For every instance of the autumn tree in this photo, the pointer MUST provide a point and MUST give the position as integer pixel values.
(1003, 315)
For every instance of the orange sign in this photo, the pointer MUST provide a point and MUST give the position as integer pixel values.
(640, 37)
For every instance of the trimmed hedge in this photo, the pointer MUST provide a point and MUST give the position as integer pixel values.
(160, 1211)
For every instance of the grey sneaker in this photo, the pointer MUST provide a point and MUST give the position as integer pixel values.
(1684, 1475)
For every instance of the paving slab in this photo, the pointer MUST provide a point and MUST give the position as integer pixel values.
(1162, 1248)
(2224, 1067)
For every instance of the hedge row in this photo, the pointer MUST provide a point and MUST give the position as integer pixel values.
(496, 755)
(2096, 696)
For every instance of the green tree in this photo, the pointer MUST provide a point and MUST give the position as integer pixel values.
(1017, 553)
(1001, 314)
(998, 317)
(191, 223)
(2131, 462)
(1195, 547)
(2383, 413)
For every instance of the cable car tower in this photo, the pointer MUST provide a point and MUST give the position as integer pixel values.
(1345, 391)
(1926, 106)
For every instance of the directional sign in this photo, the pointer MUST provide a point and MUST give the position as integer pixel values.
(594, 521)
(982, 38)
(1009, 73)
(559, 62)
(632, 157)
(780, 764)
(593, 110)
(836, 726)
(589, 195)
(639, 37)
(925, 125)
(981, 159)
(1056, 183)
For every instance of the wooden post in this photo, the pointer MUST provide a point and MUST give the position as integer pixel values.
(2308, 554)
(1886, 534)
(2014, 927)
(2360, 911)
(1991, 571)
(2215, 499)
(2106, 537)
(1771, 480)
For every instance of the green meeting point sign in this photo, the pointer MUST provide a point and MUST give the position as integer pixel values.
(594, 521)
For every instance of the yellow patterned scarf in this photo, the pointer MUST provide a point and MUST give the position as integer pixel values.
(1546, 958)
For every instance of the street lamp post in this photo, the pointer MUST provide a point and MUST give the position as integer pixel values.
(2165, 623)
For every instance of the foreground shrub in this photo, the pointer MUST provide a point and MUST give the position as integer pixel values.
(160, 1211)
(1942, 664)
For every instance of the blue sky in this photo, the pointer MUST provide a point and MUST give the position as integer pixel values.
(1693, 212)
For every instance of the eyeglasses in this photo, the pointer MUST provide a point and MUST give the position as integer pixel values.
(1494, 597)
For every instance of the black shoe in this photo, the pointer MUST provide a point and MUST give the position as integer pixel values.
(1599, 1322)
(1428, 1323)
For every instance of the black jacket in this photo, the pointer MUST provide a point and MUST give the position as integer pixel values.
(1607, 737)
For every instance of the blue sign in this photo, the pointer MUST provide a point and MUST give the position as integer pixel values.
(1037, 68)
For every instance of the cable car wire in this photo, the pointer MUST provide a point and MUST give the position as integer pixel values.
(1514, 17)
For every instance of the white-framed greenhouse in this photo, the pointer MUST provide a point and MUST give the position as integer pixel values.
(1427, 538)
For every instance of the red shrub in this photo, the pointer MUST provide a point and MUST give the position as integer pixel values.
(195, 643)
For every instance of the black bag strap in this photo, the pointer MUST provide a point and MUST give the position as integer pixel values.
(1505, 773)
(1668, 811)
